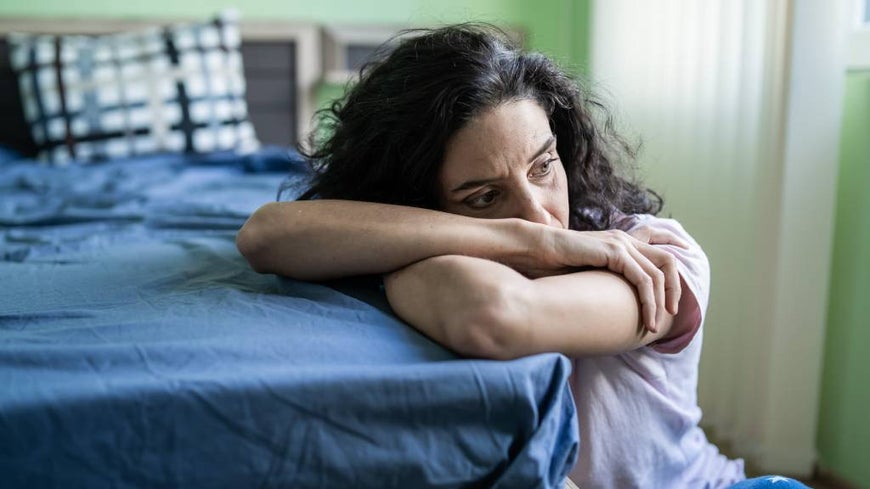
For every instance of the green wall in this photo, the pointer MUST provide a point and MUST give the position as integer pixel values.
(554, 26)
(559, 28)
(844, 430)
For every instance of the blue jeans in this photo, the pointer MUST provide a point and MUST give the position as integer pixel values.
(768, 481)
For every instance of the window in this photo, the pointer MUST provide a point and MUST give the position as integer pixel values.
(859, 40)
(347, 47)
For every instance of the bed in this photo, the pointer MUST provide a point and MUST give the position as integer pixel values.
(137, 348)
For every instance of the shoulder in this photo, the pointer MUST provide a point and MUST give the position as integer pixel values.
(694, 268)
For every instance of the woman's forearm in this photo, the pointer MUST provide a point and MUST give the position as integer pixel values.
(323, 239)
(462, 303)
(483, 309)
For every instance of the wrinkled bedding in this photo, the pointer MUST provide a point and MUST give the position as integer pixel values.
(137, 349)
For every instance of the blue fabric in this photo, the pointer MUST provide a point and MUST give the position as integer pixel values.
(137, 349)
(769, 482)
(8, 155)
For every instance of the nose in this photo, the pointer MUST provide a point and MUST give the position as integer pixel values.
(531, 207)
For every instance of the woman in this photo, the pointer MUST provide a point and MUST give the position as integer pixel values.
(483, 185)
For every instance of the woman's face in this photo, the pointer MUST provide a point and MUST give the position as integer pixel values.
(502, 164)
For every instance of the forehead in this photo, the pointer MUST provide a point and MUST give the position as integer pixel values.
(495, 141)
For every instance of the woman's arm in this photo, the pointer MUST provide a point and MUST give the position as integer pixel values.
(484, 309)
(323, 239)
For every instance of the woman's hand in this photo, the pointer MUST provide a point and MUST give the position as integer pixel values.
(653, 271)
(319, 240)
(481, 308)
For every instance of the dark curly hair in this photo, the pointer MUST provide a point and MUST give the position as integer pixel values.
(384, 141)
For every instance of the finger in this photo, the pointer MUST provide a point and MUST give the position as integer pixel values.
(667, 264)
(662, 236)
(635, 273)
(658, 236)
(641, 233)
(658, 284)
(674, 287)
(640, 272)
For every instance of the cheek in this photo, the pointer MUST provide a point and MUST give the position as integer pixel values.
(560, 196)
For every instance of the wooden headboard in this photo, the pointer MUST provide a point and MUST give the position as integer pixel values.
(282, 64)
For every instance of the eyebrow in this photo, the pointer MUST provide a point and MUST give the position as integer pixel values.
(477, 183)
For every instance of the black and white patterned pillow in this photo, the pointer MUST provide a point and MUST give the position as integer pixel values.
(173, 89)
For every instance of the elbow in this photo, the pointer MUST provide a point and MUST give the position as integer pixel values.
(250, 246)
(268, 241)
(471, 306)
(252, 240)
(489, 329)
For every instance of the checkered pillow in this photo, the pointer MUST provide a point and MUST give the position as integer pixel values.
(171, 89)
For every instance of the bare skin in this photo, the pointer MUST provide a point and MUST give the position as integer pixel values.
(504, 164)
(501, 244)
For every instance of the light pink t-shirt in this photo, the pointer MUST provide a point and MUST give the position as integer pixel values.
(638, 411)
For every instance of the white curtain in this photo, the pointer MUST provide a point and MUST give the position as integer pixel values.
(705, 85)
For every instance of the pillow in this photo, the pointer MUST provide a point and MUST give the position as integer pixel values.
(173, 89)
(8, 155)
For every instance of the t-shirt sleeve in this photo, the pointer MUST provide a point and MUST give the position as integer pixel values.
(694, 270)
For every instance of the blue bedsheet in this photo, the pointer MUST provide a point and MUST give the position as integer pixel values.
(138, 349)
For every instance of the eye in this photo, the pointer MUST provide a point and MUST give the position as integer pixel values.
(483, 200)
(544, 168)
